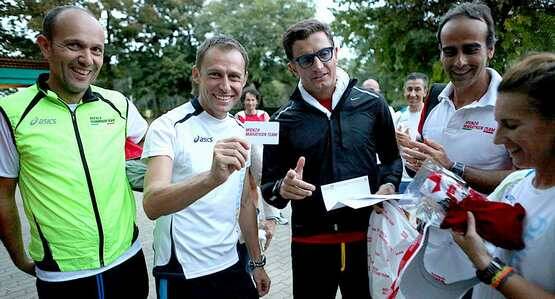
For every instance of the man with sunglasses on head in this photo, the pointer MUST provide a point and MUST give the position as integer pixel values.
(330, 131)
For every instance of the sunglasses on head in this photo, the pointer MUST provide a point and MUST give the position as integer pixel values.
(306, 61)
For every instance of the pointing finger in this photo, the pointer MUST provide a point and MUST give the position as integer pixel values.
(300, 166)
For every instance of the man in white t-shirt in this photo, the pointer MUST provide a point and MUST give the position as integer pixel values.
(198, 186)
(62, 143)
(458, 133)
(415, 90)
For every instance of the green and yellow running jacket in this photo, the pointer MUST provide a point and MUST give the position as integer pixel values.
(77, 199)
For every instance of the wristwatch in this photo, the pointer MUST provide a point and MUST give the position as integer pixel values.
(260, 263)
(275, 190)
(458, 169)
(486, 275)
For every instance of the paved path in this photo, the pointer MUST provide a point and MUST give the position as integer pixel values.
(16, 284)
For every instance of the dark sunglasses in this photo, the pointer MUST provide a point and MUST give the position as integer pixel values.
(306, 61)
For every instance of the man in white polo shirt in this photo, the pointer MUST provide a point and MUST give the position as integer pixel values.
(458, 133)
(415, 90)
(198, 186)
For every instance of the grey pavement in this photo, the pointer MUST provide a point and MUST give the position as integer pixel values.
(16, 284)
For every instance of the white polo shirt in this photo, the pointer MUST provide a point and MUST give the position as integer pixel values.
(205, 233)
(467, 133)
(408, 120)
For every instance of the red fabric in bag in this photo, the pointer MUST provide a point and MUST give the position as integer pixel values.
(497, 222)
(132, 150)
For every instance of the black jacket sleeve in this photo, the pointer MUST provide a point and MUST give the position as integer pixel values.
(272, 174)
(274, 167)
(391, 168)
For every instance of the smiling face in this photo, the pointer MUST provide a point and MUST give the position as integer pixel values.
(75, 53)
(220, 78)
(250, 103)
(318, 79)
(415, 92)
(464, 53)
(529, 138)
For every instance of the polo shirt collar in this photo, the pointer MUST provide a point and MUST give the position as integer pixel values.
(488, 99)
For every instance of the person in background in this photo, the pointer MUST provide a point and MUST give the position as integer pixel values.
(415, 91)
(525, 112)
(269, 216)
(251, 99)
(374, 85)
(371, 84)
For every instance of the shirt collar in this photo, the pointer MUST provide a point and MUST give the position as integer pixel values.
(340, 86)
(488, 99)
(88, 96)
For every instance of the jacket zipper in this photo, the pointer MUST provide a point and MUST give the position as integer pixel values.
(91, 190)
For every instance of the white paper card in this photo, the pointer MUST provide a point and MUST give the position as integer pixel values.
(355, 193)
(258, 132)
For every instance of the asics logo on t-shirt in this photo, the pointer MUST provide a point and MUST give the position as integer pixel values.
(202, 139)
(42, 121)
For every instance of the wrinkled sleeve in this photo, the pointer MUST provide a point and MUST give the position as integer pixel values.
(387, 149)
(9, 163)
(274, 168)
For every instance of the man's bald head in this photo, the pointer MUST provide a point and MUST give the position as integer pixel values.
(371, 84)
(49, 22)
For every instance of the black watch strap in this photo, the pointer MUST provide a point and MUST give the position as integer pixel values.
(458, 168)
(275, 190)
(486, 275)
(260, 263)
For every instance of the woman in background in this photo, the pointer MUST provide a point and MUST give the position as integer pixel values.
(251, 99)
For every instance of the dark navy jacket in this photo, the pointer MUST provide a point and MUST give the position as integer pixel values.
(339, 148)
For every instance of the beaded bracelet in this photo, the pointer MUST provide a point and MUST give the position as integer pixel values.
(500, 276)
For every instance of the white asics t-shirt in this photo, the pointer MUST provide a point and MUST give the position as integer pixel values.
(536, 262)
(204, 234)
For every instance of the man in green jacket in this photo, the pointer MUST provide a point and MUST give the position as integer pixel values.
(62, 142)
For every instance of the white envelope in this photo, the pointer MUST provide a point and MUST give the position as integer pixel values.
(355, 193)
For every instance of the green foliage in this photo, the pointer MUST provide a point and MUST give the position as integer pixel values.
(393, 38)
(258, 25)
(151, 45)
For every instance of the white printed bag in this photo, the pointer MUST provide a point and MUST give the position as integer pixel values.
(389, 236)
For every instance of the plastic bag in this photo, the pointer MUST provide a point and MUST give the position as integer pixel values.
(435, 187)
(389, 236)
(443, 200)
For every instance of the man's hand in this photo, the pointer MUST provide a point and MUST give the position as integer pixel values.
(261, 280)
(403, 137)
(417, 152)
(384, 189)
(269, 227)
(229, 155)
(293, 186)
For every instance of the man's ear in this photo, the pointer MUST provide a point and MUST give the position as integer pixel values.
(45, 45)
(196, 74)
(246, 78)
(491, 51)
(292, 69)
